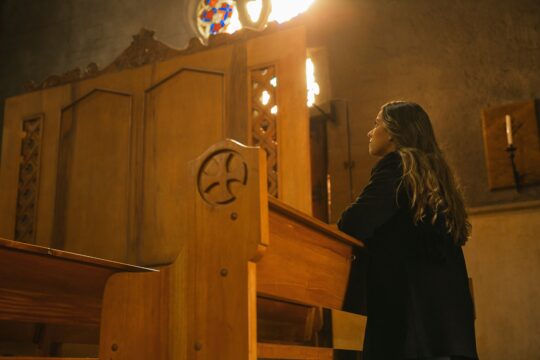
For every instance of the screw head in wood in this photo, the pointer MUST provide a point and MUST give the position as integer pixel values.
(198, 346)
(224, 272)
(234, 216)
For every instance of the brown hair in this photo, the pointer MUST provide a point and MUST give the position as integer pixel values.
(426, 175)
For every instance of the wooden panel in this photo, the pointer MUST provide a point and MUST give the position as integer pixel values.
(286, 322)
(138, 302)
(184, 116)
(348, 330)
(526, 137)
(92, 198)
(276, 351)
(287, 51)
(303, 263)
(47, 103)
(133, 81)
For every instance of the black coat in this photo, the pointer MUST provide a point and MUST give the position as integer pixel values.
(418, 299)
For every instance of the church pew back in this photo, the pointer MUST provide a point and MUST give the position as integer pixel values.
(307, 261)
(39, 284)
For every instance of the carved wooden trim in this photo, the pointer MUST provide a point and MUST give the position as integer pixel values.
(28, 188)
(264, 120)
(145, 49)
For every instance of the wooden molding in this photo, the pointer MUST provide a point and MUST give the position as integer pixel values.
(145, 49)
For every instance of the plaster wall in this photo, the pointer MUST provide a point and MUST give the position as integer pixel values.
(503, 258)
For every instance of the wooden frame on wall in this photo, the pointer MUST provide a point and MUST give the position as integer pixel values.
(526, 139)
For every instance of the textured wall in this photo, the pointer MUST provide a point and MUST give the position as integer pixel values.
(452, 57)
(503, 259)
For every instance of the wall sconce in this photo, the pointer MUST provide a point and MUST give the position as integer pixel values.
(518, 124)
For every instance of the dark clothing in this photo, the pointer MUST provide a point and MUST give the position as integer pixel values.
(418, 299)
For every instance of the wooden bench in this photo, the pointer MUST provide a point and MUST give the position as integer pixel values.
(52, 288)
(248, 259)
(254, 279)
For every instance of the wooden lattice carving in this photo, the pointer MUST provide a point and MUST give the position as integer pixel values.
(264, 120)
(27, 195)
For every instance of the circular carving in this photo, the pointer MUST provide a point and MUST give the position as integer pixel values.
(221, 177)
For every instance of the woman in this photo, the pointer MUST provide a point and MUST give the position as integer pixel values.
(412, 218)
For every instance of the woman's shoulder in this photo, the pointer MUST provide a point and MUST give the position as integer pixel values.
(389, 162)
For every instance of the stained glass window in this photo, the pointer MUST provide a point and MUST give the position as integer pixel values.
(213, 16)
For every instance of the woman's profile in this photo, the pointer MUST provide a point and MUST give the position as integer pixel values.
(412, 218)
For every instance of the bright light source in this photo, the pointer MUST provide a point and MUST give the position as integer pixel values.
(273, 110)
(273, 81)
(284, 10)
(265, 97)
(313, 87)
(254, 8)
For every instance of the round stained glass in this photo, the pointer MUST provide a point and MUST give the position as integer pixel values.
(213, 16)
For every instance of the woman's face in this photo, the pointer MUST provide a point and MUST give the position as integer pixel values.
(380, 142)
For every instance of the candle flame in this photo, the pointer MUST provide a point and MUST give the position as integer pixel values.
(312, 85)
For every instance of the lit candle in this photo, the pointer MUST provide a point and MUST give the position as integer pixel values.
(509, 130)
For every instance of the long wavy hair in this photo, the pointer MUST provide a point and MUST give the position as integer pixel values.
(427, 178)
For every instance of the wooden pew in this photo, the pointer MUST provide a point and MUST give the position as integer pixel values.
(249, 265)
(48, 287)
(243, 246)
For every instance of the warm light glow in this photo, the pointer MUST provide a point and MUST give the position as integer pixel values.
(273, 110)
(254, 8)
(312, 86)
(235, 24)
(285, 10)
(282, 11)
(273, 81)
(265, 97)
